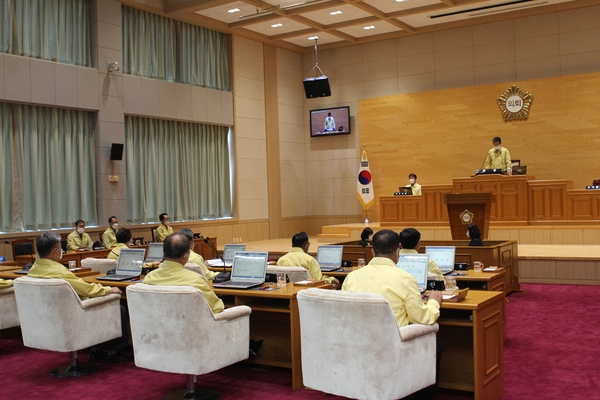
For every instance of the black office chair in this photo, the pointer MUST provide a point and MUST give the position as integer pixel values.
(22, 247)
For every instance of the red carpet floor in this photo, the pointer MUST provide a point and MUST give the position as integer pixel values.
(550, 353)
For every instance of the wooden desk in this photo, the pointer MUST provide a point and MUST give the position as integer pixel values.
(493, 281)
(4, 268)
(85, 273)
(68, 256)
(472, 332)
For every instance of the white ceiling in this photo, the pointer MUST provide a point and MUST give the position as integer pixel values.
(297, 20)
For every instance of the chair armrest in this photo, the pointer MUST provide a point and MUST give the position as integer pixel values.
(96, 301)
(9, 290)
(233, 313)
(413, 331)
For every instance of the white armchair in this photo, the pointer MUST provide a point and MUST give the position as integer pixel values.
(9, 316)
(294, 274)
(53, 317)
(99, 264)
(174, 330)
(352, 346)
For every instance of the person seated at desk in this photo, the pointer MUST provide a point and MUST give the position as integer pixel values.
(195, 257)
(123, 238)
(412, 183)
(176, 252)
(498, 157)
(163, 229)
(78, 240)
(410, 239)
(382, 276)
(109, 237)
(299, 257)
(474, 234)
(5, 284)
(47, 265)
(365, 237)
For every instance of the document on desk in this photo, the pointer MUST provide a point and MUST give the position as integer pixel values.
(217, 262)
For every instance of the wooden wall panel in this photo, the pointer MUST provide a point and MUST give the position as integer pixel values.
(444, 134)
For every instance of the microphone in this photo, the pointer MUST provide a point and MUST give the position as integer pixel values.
(221, 276)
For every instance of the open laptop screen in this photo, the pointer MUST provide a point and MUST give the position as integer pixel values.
(330, 255)
(249, 265)
(155, 251)
(230, 249)
(417, 265)
(130, 261)
(443, 256)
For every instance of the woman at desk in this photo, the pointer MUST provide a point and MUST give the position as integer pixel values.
(473, 233)
(365, 237)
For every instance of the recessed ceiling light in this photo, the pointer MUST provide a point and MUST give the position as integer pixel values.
(276, 25)
(400, 1)
(313, 38)
(369, 27)
(233, 10)
(335, 12)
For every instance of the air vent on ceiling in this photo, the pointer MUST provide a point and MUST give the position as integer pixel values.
(494, 8)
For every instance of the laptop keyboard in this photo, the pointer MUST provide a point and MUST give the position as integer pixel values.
(239, 283)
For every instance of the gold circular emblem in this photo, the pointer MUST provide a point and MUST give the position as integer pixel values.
(466, 217)
(515, 103)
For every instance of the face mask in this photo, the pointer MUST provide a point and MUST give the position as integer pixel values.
(115, 226)
(80, 230)
(497, 148)
(412, 181)
(166, 223)
(468, 234)
(60, 257)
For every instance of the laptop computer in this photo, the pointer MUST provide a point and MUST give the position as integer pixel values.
(249, 269)
(329, 257)
(129, 266)
(155, 253)
(417, 265)
(228, 254)
(443, 257)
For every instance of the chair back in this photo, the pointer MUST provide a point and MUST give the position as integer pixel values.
(352, 347)
(53, 317)
(294, 274)
(174, 330)
(196, 268)
(9, 316)
(99, 264)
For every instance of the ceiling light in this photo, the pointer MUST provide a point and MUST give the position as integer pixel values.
(369, 27)
(233, 10)
(335, 12)
(313, 38)
(400, 1)
(276, 25)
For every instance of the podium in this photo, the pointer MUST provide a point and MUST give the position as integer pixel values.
(466, 208)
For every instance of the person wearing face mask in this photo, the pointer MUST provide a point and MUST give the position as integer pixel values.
(163, 229)
(416, 188)
(498, 157)
(78, 240)
(47, 265)
(109, 237)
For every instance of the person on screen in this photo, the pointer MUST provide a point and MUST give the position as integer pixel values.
(329, 125)
(299, 256)
(410, 240)
(498, 157)
(412, 183)
(78, 240)
(195, 257)
(109, 237)
(382, 276)
(48, 265)
(163, 229)
(176, 252)
(365, 237)
(473, 233)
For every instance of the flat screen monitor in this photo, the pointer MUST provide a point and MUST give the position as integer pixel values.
(443, 257)
(417, 265)
(330, 121)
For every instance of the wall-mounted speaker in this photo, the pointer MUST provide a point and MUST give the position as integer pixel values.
(116, 151)
(317, 87)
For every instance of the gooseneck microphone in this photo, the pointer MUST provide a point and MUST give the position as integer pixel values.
(221, 276)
